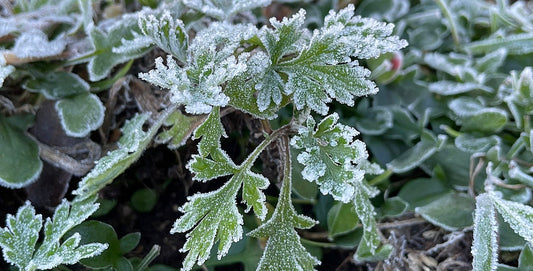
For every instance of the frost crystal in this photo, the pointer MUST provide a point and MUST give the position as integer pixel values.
(330, 156)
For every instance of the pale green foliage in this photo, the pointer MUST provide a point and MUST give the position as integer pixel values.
(330, 156)
(517, 92)
(517, 215)
(80, 114)
(365, 211)
(131, 146)
(224, 9)
(214, 216)
(34, 44)
(283, 249)
(19, 163)
(19, 238)
(485, 245)
(167, 33)
(324, 71)
(103, 58)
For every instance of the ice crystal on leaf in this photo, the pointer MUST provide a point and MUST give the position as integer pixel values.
(485, 245)
(167, 33)
(287, 37)
(324, 70)
(214, 216)
(517, 215)
(198, 85)
(330, 156)
(131, 146)
(224, 9)
(284, 250)
(19, 238)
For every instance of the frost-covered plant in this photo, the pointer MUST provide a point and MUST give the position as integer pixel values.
(18, 239)
(259, 71)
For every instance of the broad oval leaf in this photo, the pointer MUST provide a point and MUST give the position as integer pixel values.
(57, 85)
(342, 218)
(80, 114)
(457, 214)
(20, 164)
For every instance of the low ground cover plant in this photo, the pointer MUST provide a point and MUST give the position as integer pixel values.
(296, 135)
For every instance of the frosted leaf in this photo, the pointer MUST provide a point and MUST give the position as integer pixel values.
(224, 9)
(34, 44)
(210, 216)
(19, 238)
(5, 71)
(198, 86)
(485, 244)
(517, 92)
(7, 26)
(131, 145)
(365, 211)
(81, 114)
(104, 39)
(517, 215)
(324, 70)
(134, 45)
(287, 37)
(283, 250)
(330, 155)
(216, 43)
(261, 78)
(166, 32)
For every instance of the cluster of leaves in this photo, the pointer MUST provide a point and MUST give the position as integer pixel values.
(454, 106)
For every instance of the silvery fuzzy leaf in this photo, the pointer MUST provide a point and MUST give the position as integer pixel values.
(485, 244)
(35, 44)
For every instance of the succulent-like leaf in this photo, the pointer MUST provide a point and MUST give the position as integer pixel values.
(516, 44)
(80, 114)
(19, 238)
(284, 250)
(331, 152)
(324, 71)
(223, 10)
(57, 85)
(485, 245)
(416, 155)
(20, 164)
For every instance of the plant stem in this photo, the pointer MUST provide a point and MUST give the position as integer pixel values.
(380, 178)
(318, 244)
(453, 27)
(152, 254)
